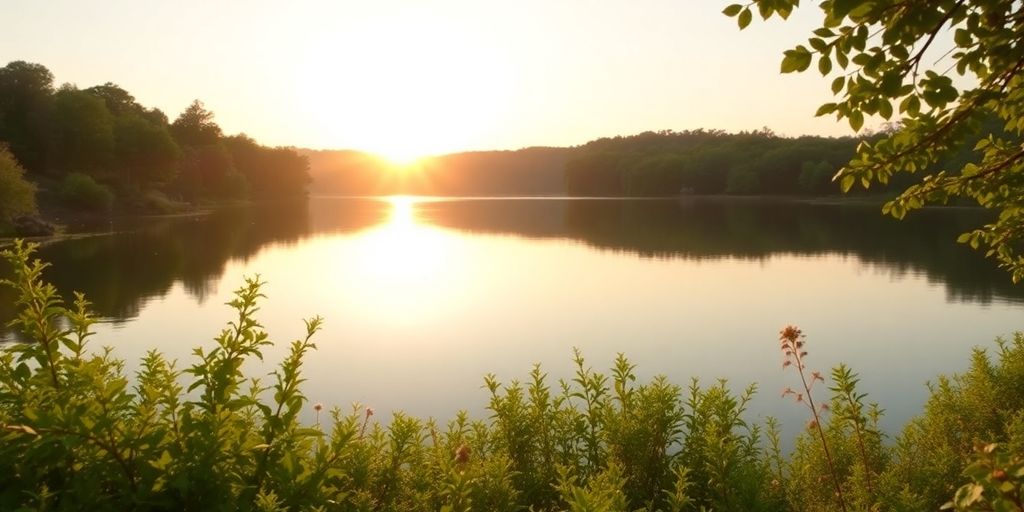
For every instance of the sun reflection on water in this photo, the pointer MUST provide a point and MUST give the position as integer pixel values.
(403, 212)
(405, 265)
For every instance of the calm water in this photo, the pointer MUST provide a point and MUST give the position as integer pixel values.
(423, 297)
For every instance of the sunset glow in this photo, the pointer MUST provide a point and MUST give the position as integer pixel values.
(418, 91)
(406, 79)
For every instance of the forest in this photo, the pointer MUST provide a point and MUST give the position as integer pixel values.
(708, 162)
(714, 162)
(649, 164)
(664, 163)
(97, 150)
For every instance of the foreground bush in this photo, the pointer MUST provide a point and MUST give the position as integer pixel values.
(78, 432)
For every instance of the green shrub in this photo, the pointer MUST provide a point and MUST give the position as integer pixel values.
(997, 481)
(154, 201)
(983, 405)
(82, 192)
(17, 195)
(75, 428)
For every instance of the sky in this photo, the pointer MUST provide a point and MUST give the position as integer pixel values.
(406, 78)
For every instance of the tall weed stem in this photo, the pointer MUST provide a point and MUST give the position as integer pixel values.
(792, 340)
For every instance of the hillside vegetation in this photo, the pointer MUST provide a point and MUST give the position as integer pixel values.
(97, 149)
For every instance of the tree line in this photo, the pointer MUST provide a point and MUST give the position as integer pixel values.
(663, 163)
(534, 171)
(97, 148)
(709, 162)
(702, 161)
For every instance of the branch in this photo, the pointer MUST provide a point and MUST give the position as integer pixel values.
(916, 59)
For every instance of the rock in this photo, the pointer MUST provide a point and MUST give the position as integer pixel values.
(29, 225)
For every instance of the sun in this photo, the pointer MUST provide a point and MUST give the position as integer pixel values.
(401, 158)
(410, 92)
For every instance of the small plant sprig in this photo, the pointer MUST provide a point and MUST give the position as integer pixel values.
(792, 344)
(848, 406)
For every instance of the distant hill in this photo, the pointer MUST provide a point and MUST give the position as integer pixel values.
(526, 172)
(665, 163)
(648, 164)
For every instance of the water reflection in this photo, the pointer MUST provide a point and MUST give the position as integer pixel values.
(695, 229)
(119, 271)
(422, 296)
(407, 242)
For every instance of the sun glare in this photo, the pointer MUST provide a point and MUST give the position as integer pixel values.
(408, 93)
(402, 213)
(401, 159)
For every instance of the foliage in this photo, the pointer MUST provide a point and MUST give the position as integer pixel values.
(26, 101)
(206, 171)
(76, 428)
(706, 162)
(195, 126)
(997, 482)
(104, 132)
(878, 53)
(17, 196)
(984, 404)
(81, 191)
(83, 132)
(268, 172)
(146, 153)
(206, 437)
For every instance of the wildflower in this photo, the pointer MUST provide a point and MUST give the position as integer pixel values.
(318, 407)
(366, 421)
(792, 340)
(790, 333)
(462, 454)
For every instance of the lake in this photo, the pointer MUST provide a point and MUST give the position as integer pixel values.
(423, 296)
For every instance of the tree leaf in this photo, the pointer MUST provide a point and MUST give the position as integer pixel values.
(797, 59)
(744, 19)
(732, 10)
(846, 183)
(827, 108)
(837, 84)
(856, 120)
(824, 65)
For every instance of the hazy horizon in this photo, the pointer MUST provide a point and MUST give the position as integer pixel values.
(404, 80)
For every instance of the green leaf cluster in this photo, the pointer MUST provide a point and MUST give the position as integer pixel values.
(949, 73)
